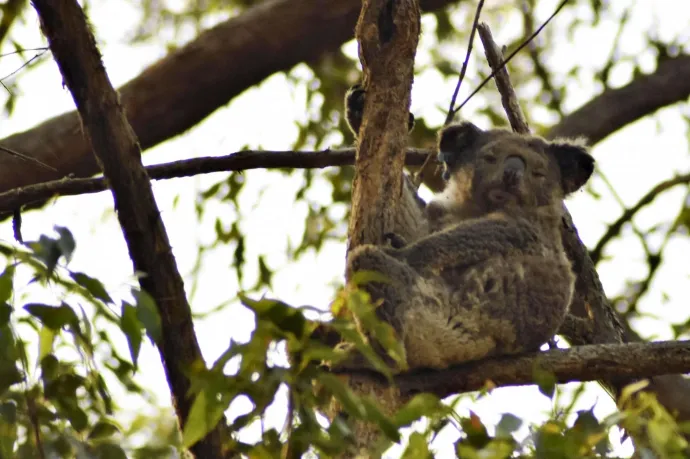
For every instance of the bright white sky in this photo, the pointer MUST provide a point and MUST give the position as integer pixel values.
(634, 159)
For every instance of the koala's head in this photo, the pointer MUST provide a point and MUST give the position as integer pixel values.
(498, 169)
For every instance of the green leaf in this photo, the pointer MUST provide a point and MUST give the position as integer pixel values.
(204, 415)
(6, 284)
(49, 368)
(5, 314)
(46, 339)
(8, 428)
(132, 328)
(421, 405)
(364, 277)
(77, 417)
(110, 451)
(545, 380)
(283, 316)
(104, 428)
(508, 424)
(65, 242)
(417, 447)
(475, 430)
(51, 316)
(373, 413)
(147, 313)
(92, 285)
(344, 394)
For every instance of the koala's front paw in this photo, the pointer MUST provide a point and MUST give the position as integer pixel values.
(394, 240)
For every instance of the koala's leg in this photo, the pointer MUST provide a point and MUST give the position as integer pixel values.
(511, 305)
(396, 292)
(394, 295)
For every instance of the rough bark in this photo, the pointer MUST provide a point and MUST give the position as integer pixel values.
(117, 150)
(387, 32)
(177, 92)
(581, 363)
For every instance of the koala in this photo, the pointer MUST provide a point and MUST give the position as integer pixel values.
(410, 219)
(493, 279)
(355, 98)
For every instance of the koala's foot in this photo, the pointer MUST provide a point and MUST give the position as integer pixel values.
(395, 240)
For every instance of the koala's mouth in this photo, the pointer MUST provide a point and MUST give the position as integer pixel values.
(500, 196)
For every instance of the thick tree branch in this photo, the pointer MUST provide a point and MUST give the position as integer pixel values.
(115, 145)
(240, 161)
(581, 363)
(615, 108)
(177, 92)
(387, 33)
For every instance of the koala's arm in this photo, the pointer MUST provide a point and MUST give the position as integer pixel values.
(468, 243)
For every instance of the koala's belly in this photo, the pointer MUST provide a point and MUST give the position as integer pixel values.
(501, 306)
(530, 293)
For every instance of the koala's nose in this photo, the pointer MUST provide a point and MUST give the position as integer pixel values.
(513, 170)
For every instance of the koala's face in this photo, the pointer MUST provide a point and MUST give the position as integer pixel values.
(499, 169)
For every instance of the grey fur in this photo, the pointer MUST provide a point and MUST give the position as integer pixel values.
(493, 279)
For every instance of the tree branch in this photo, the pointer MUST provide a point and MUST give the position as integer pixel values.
(614, 228)
(387, 33)
(580, 363)
(115, 145)
(615, 108)
(177, 92)
(240, 161)
(594, 319)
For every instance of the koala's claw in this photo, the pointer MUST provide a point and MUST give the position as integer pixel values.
(394, 240)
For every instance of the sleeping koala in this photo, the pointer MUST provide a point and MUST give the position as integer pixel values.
(494, 279)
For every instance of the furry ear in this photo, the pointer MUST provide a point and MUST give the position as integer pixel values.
(575, 163)
(453, 142)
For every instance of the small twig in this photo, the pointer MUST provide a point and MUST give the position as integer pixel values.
(640, 235)
(21, 50)
(242, 160)
(534, 52)
(615, 228)
(510, 56)
(463, 70)
(25, 64)
(27, 158)
(35, 425)
(419, 176)
(603, 75)
(17, 225)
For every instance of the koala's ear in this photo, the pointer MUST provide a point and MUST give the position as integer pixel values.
(575, 163)
(454, 141)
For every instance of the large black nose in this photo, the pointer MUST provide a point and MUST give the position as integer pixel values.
(513, 170)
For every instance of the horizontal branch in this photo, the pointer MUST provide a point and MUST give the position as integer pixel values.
(615, 108)
(177, 92)
(579, 363)
(243, 160)
(615, 228)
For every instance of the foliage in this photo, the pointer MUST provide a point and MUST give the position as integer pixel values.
(70, 352)
(60, 397)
